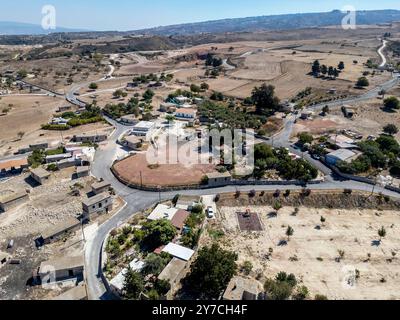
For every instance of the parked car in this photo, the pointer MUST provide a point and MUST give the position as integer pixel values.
(210, 213)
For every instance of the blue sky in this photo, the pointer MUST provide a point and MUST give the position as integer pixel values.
(136, 14)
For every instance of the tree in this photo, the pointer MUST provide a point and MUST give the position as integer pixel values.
(325, 110)
(277, 206)
(204, 86)
(305, 138)
(316, 68)
(154, 263)
(391, 129)
(133, 284)
(148, 95)
(195, 88)
(211, 272)
(281, 287)
(382, 233)
(289, 232)
(391, 103)
(382, 93)
(93, 86)
(341, 65)
(20, 134)
(323, 220)
(22, 74)
(362, 82)
(265, 100)
(158, 232)
(324, 69)
(330, 72)
(301, 293)
(118, 94)
(335, 73)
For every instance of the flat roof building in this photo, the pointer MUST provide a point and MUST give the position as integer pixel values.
(13, 200)
(11, 165)
(93, 138)
(56, 232)
(99, 204)
(62, 269)
(100, 187)
(240, 288)
(340, 155)
(77, 293)
(117, 283)
(82, 171)
(173, 272)
(219, 179)
(178, 251)
(40, 175)
(162, 212)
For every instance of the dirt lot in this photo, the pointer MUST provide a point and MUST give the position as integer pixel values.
(312, 251)
(135, 169)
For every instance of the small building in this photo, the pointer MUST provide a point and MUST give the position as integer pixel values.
(129, 119)
(99, 204)
(340, 155)
(348, 111)
(59, 120)
(186, 113)
(162, 212)
(342, 142)
(90, 138)
(3, 258)
(216, 179)
(100, 187)
(13, 200)
(82, 171)
(167, 107)
(178, 251)
(64, 109)
(182, 100)
(62, 269)
(117, 283)
(179, 219)
(58, 157)
(143, 128)
(77, 293)
(173, 272)
(197, 100)
(40, 175)
(67, 163)
(186, 202)
(306, 115)
(240, 288)
(56, 232)
(39, 146)
(13, 165)
(132, 142)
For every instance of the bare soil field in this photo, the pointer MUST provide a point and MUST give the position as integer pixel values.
(312, 252)
(136, 170)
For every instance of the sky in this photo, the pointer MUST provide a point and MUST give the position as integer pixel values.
(123, 15)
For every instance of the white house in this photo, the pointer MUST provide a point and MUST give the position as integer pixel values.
(186, 113)
(143, 128)
(162, 212)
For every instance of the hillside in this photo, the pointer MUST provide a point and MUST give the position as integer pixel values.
(275, 22)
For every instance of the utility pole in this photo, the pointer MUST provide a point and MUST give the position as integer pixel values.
(141, 179)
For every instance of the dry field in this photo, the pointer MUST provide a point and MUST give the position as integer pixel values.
(312, 251)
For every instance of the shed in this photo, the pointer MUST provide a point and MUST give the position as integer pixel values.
(178, 251)
(82, 171)
(100, 187)
(162, 212)
(179, 219)
(75, 294)
(240, 288)
(173, 271)
(63, 268)
(12, 200)
(340, 155)
(53, 233)
(40, 175)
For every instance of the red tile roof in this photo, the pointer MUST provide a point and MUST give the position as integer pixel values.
(179, 219)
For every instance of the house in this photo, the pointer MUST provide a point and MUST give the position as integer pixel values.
(162, 212)
(13, 165)
(117, 283)
(13, 200)
(179, 219)
(348, 111)
(143, 128)
(67, 163)
(100, 187)
(187, 202)
(173, 272)
(178, 251)
(62, 269)
(186, 113)
(340, 155)
(129, 119)
(91, 138)
(56, 232)
(182, 100)
(63, 109)
(101, 203)
(342, 142)
(167, 107)
(59, 120)
(77, 293)
(132, 142)
(216, 179)
(40, 175)
(240, 288)
(82, 171)
(58, 157)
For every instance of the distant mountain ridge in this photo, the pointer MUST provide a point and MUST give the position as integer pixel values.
(274, 22)
(20, 28)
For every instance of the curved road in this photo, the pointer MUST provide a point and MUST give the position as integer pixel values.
(137, 200)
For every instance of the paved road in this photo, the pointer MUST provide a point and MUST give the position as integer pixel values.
(380, 52)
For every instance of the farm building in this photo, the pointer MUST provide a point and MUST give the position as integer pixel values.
(240, 288)
(40, 175)
(100, 187)
(62, 269)
(54, 233)
(340, 155)
(11, 201)
(219, 179)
